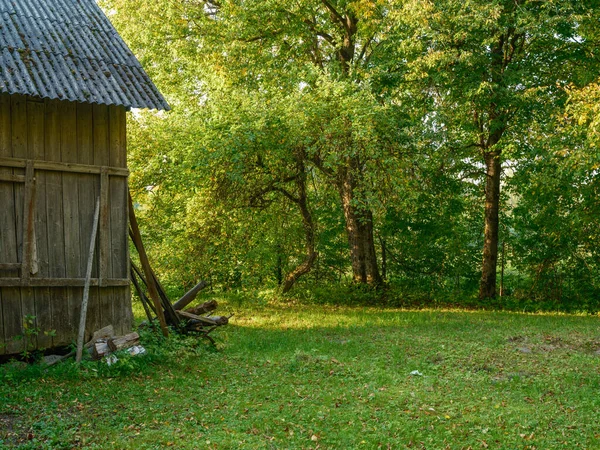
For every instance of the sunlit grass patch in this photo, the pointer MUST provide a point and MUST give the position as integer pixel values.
(298, 376)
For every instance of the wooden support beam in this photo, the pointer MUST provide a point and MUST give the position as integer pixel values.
(152, 290)
(61, 282)
(145, 303)
(10, 178)
(63, 167)
(86, 287)
(10, 266)
(170, 315)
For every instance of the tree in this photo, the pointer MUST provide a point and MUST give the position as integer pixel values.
(321, 55)
(493, 68)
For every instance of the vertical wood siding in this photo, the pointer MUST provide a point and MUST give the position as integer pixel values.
(64, 204)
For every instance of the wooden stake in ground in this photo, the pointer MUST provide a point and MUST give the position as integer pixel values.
(86, 287)
(152, 289)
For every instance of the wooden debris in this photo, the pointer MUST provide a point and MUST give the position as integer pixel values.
(122, 342)
(100, 349)
(156, 301)
(196, 317)
(103, 333)
(219, 320)
(136, 237)
(189, 296)
(201, 309)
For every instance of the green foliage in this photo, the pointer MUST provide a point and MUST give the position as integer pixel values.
(430, 87)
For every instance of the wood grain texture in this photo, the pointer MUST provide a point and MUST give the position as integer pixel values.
(13, 313)
(102, 158)
(89, 189)
(71, 147)
(8, 250)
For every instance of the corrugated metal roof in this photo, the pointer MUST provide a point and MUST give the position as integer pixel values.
(69, 50)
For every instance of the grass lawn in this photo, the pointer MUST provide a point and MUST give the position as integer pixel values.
(297, 376)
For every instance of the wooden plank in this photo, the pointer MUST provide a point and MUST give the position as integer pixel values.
(119, 248)
(40, 216)
(11, 178)
(58, 300)
(104, 232)
(8, 232)
(117, 137)
(20, 150)
(59, 304)
(12, 319)
(74, 244)
(74, 259)
(10, 266)
(62, 282)
(43, 304)
(36, 123)
(54, 166)
(86, 286)
(8, 237)
(54, 195)
(101, 134)
(6, 194)
(43, 314)
(19, 126)
(89, 188)
(124, 317)
(28, 311)
(118, 195)
(13, 312)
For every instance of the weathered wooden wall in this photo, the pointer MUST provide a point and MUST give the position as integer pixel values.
(58, 157)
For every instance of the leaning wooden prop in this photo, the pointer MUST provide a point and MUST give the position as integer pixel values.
(157, 304)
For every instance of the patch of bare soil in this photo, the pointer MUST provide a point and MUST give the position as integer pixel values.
(8, 423)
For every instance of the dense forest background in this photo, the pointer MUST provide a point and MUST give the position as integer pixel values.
(432, 151)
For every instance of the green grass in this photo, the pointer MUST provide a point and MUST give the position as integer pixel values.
(297, 376)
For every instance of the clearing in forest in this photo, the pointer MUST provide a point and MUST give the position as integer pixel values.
(290, 376)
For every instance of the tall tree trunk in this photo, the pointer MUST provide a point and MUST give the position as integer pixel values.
(309, 229)
(359, 227)
(487, 287)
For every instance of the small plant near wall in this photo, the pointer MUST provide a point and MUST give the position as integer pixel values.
(30, 332)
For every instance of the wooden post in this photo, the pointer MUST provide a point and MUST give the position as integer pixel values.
(143, 299)
(29, 258)
(152, 290)
(86, 288)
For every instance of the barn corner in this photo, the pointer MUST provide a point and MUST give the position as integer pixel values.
(66, 82)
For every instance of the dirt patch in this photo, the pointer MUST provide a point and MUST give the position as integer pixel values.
(8, 425)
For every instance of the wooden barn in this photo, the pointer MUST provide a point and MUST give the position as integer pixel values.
(66, 82)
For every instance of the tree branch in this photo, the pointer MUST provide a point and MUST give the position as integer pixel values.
(334, 12)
